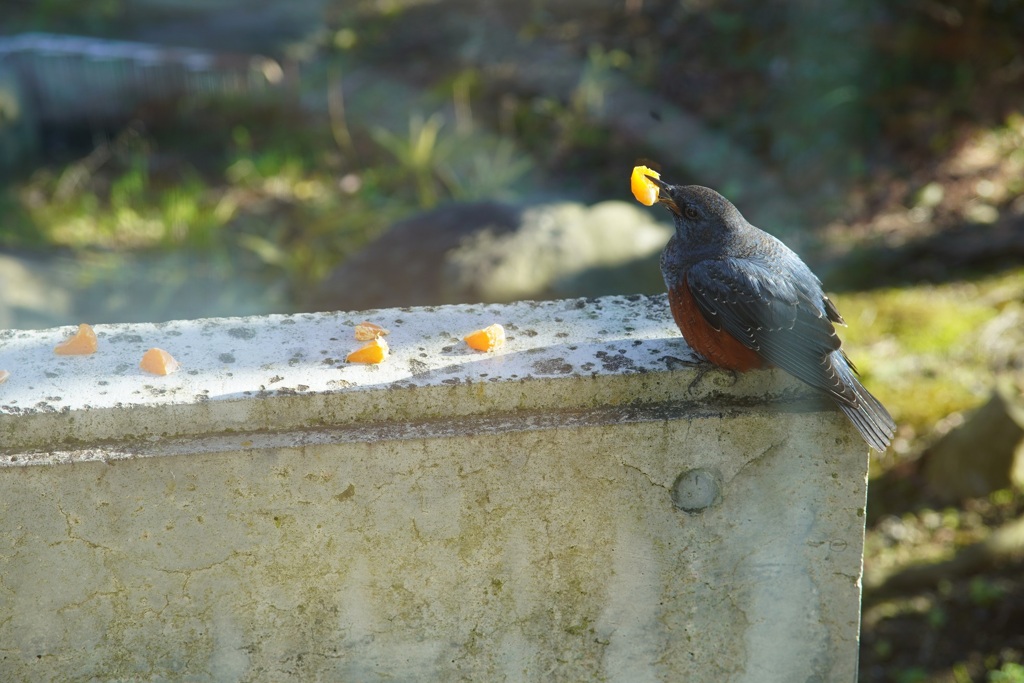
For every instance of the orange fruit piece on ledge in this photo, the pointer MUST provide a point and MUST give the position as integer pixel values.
(643, 189)
(158, 362)
(487, 339)
(365, 331)
(82, 343)
(376, 351)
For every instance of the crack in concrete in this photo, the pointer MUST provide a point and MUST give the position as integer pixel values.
(78, 604)
(646, 474)
(769, 449)
(73, 537)
(187, 573)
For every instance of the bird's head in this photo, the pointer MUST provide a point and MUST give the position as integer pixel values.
(699, 213)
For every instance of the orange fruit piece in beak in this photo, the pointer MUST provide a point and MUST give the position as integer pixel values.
(643, 189)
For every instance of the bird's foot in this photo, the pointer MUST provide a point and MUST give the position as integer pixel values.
(674, 363)
(703, 368)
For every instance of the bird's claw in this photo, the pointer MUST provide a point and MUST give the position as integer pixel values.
(703, 368)
(674, 363)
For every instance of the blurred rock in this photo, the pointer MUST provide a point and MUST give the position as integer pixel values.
(72, 78)
(984, 454)
(238, 25)
(493, 252)
(1002, 338)
(64, 81)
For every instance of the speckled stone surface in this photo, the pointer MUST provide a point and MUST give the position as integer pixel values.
(574, 506)
(295, 365)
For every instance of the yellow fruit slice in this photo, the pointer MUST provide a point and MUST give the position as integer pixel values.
(81, 344)
(365, 331)
(376, 351)
(643, 189)
(158, 362)
(487, 339)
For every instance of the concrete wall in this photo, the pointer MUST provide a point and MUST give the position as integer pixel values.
(571, 507)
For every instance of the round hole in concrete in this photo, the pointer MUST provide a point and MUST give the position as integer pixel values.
(695, 490)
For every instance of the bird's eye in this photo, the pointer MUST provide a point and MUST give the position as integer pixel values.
(691, 212)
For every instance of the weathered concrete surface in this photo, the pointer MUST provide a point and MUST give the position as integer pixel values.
(271, 513)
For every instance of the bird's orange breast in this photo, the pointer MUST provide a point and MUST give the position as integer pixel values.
(716, 346)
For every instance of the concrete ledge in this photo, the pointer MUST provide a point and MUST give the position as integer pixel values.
(567, 508)
(288, 372)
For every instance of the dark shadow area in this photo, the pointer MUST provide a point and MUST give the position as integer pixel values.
(956, 629)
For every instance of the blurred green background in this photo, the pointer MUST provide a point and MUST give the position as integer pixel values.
(201, 158)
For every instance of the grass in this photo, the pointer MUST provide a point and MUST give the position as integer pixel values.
(274, 196)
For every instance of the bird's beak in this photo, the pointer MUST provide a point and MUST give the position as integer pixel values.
(664, 196)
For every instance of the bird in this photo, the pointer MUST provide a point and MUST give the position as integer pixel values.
(744, 300)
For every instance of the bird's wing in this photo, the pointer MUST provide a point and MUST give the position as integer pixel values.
(784, 319)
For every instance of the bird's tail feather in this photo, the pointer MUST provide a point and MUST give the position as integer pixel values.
(867, 414)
